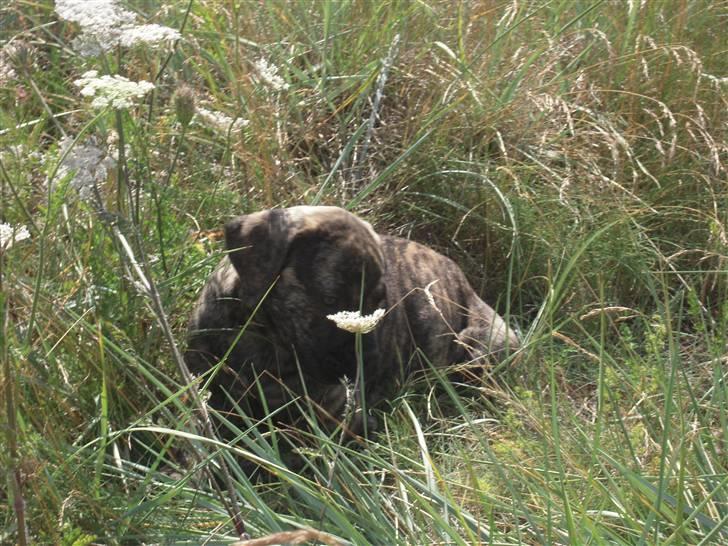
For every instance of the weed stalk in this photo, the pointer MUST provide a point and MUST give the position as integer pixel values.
(11, 430)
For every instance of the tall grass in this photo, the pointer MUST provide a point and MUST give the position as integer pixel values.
(569, 155)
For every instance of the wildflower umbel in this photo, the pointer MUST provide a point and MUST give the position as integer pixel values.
(105, 24)
(115, 91)
(87, 163)
(147, 34)
(219, 121)
(94, 15)
(355, 322)
(9, 235)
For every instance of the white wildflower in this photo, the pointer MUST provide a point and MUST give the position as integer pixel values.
(86, 163)
(148, 34)
(355, 322)
(7, 72)
(94, 15)
(219, 121)
(115, 91)
(88, 45)
(105, 24)
(269, 75)
(9, 235)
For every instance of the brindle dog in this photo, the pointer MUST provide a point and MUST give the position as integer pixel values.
(263, 312)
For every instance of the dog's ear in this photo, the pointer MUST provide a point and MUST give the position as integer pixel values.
(257, 245)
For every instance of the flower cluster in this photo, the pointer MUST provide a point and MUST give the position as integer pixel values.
(355, 322)
(268, 74)
(219, 121)
(94, 15)
(105, 24)
(7, 71)
(10, 235)
(86, 163)
(148, 34)
(114, 91)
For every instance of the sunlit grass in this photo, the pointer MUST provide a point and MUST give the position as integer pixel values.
(570, 156)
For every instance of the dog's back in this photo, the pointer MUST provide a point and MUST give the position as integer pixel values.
(435, 309)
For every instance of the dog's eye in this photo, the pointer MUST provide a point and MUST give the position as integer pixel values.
(330, 300)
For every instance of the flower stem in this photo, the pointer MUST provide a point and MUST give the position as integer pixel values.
(11, 431)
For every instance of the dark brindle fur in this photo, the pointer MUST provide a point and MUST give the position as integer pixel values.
(305, 263)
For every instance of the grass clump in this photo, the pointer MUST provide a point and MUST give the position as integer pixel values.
(571, 156)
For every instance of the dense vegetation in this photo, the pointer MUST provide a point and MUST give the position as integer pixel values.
(570, 155)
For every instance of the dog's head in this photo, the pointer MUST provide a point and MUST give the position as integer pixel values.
(308, 262)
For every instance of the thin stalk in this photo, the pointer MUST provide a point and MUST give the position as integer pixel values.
(18, 201)
(667, 413)
(160, 227)
(359, 385)
(157, 198)
(556, 432)
(166, 62)
(104, 419)
(350, 410)
(11, 431)
(601, 386)
(177, 152)
(43, 102)
(374, 115)
(122, 175)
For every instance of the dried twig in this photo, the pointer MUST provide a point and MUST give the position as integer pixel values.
(374, 115)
